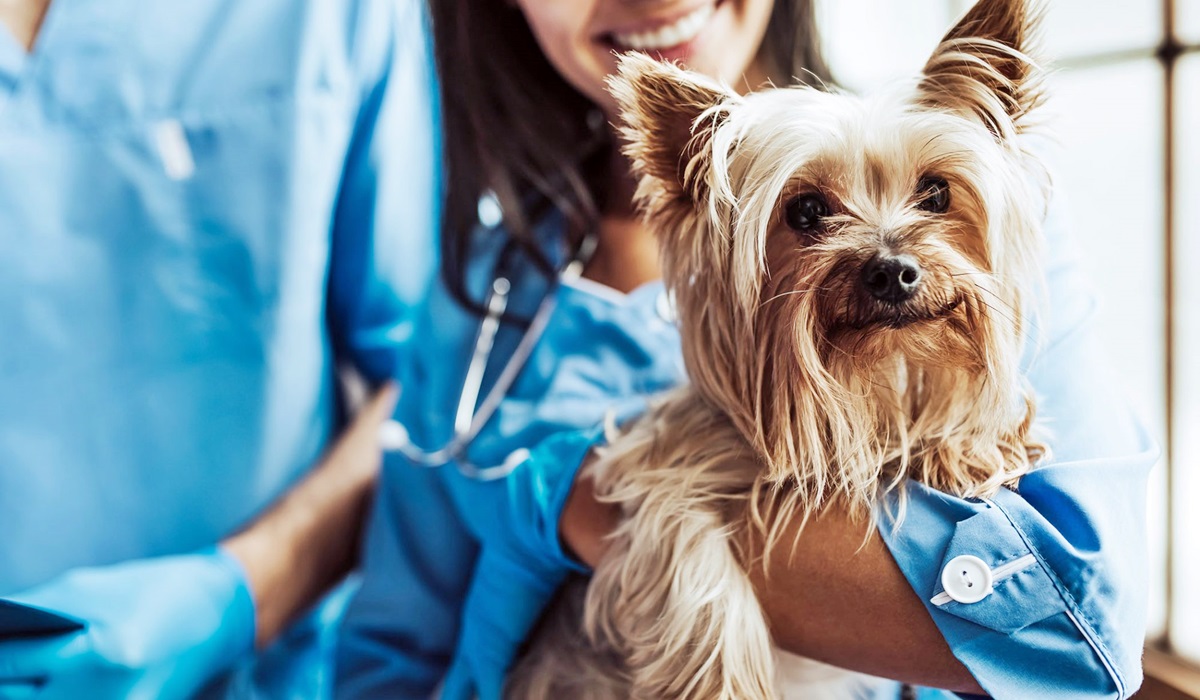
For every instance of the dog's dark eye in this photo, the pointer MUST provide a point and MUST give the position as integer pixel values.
(934, 193)
(804, 213)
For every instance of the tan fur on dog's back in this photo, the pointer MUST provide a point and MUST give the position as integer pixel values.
(805, 388)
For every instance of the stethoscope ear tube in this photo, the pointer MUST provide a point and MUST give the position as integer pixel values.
(485, 340)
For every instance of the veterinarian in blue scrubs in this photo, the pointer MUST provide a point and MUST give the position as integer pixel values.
(461, 558)
(203, 207)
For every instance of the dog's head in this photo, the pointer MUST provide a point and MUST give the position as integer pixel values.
(850, 272)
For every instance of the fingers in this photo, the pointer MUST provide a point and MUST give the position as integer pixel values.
(358, 449)
(379, 408)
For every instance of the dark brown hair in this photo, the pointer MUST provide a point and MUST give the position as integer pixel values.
(513, 126)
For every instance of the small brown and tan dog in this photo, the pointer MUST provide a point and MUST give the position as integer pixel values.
(853, 282)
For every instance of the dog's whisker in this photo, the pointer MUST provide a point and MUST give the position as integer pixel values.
(1000, 313)
(793, 292)
(1016, 313)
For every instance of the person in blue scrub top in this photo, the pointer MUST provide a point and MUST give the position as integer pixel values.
(206, 208)
(460, 558)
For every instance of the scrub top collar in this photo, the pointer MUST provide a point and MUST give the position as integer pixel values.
(12, 60)
(77, 57)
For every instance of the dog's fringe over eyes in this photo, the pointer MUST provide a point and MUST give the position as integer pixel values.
(815, 377)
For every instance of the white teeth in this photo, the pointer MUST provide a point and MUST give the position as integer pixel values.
(679, 32)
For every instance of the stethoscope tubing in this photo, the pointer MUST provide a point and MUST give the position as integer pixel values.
(471, 415)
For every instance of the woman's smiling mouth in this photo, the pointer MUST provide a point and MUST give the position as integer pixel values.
(677, 33)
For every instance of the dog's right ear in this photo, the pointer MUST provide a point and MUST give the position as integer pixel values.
(668, 115)
(986, 65)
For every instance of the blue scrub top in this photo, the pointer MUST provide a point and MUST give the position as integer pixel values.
(203, 207)
(1066, 549)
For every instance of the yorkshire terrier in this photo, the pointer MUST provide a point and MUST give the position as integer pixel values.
(853, 282)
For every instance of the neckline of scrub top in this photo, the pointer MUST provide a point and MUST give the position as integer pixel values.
(12, 58)
(78, 71)
(614, 296)
(15, 59)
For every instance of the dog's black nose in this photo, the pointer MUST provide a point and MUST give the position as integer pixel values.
(892, 278)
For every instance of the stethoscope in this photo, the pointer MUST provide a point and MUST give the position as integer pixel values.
(472, 414)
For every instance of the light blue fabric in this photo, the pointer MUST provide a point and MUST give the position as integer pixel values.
(203, 207)
(1071, 626)
(155, 628)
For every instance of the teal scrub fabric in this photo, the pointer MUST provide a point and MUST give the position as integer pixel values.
(204, 208)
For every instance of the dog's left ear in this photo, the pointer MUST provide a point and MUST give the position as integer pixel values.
(985, 66)
(667, 117)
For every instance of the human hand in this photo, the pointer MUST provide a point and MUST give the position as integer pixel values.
(357, 452)
(156, 628)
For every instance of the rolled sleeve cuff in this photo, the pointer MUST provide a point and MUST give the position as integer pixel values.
(546, 480)
(239, 625)
(996, 600)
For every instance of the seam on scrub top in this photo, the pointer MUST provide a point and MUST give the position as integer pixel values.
(1089, 634)
(597, 290)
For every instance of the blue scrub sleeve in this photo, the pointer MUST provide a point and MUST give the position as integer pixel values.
(522, 563)
(422, 566)
(1069, 623)
(384, 243)
(400, 629)
(517, 516)
(159, 627)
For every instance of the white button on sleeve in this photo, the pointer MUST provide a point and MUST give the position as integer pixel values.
(967, 579)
